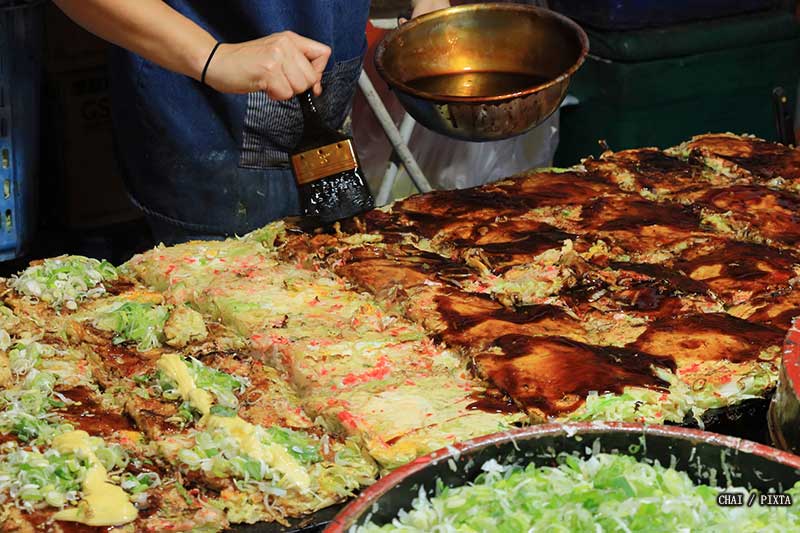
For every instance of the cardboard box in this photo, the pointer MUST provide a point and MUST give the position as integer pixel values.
(78, 133)
(69, 47)
(90, 186)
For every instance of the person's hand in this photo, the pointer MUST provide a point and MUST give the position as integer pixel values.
(282, 65)
(426, 6)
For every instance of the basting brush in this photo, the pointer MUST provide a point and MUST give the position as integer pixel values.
(331, 183)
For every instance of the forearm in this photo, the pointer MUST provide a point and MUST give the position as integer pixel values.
(420, 7)
(149, 28)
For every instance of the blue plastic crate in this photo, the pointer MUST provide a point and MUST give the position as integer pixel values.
(20, 82)
(636, 14)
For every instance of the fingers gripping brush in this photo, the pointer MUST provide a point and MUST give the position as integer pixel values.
(331, 183)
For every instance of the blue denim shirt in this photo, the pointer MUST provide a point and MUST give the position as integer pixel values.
(214, 163)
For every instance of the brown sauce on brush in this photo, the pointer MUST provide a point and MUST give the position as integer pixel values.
(553, 375)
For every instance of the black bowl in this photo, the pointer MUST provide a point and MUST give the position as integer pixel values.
(702, 455)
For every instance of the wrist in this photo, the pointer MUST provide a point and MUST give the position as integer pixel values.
(198, 56)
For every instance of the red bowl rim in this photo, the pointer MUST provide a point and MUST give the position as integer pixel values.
(791, 357)
(370, 495)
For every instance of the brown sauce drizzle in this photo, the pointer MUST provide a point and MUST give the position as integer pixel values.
(768, 160)
(741, 262)
(492, 401)
(530, 243)
(554, 374)
(7, 437)
(461, 202)
(664, 275)
(654, 161)
(553, 189)
(783, 319)
(709, 337)
(628, 213)
(123, 361)
(119, 286)
(90, 416)
(458, 320)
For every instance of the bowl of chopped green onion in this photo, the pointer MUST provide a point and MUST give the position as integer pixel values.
(586, 477)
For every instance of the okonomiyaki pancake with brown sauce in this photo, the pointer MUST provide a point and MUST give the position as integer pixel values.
(500, 245)
(538, 196)
(272, 375)
(622, 299)
(474, 322)
(646, 231)
(428, 214)
(737, 272)
(748, 157)
(704, 337)
(776, 310)
(384, 269)
(754, 212)
(656, 175)
(543, 189)
(552, 376)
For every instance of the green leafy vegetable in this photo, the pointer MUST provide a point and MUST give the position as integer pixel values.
(24, 357)
(610, 493)
(220, 454)
(297, 443)
(142, 323)
(221, 410)
(64, 281)
(31, 477)
(25, 411)
(222, 385)
(136, 484)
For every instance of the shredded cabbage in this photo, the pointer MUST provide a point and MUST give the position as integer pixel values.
(610, 493)
(142, 323)
(24, 356)
(65, 280)
(25, 411)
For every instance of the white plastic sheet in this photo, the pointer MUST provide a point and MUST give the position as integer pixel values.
(446, 162)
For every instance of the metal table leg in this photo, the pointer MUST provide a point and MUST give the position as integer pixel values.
(395, 138)
(393, 169)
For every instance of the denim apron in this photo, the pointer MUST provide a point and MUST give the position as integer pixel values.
(212, 164)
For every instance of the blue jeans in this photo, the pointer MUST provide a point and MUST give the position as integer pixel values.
(271, 194)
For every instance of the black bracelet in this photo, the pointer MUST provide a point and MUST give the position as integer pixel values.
(208, 62)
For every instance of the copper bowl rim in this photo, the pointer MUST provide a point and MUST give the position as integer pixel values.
(372, 494)
(546, 13)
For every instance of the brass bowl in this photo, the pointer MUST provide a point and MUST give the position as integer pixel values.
(495, 48)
